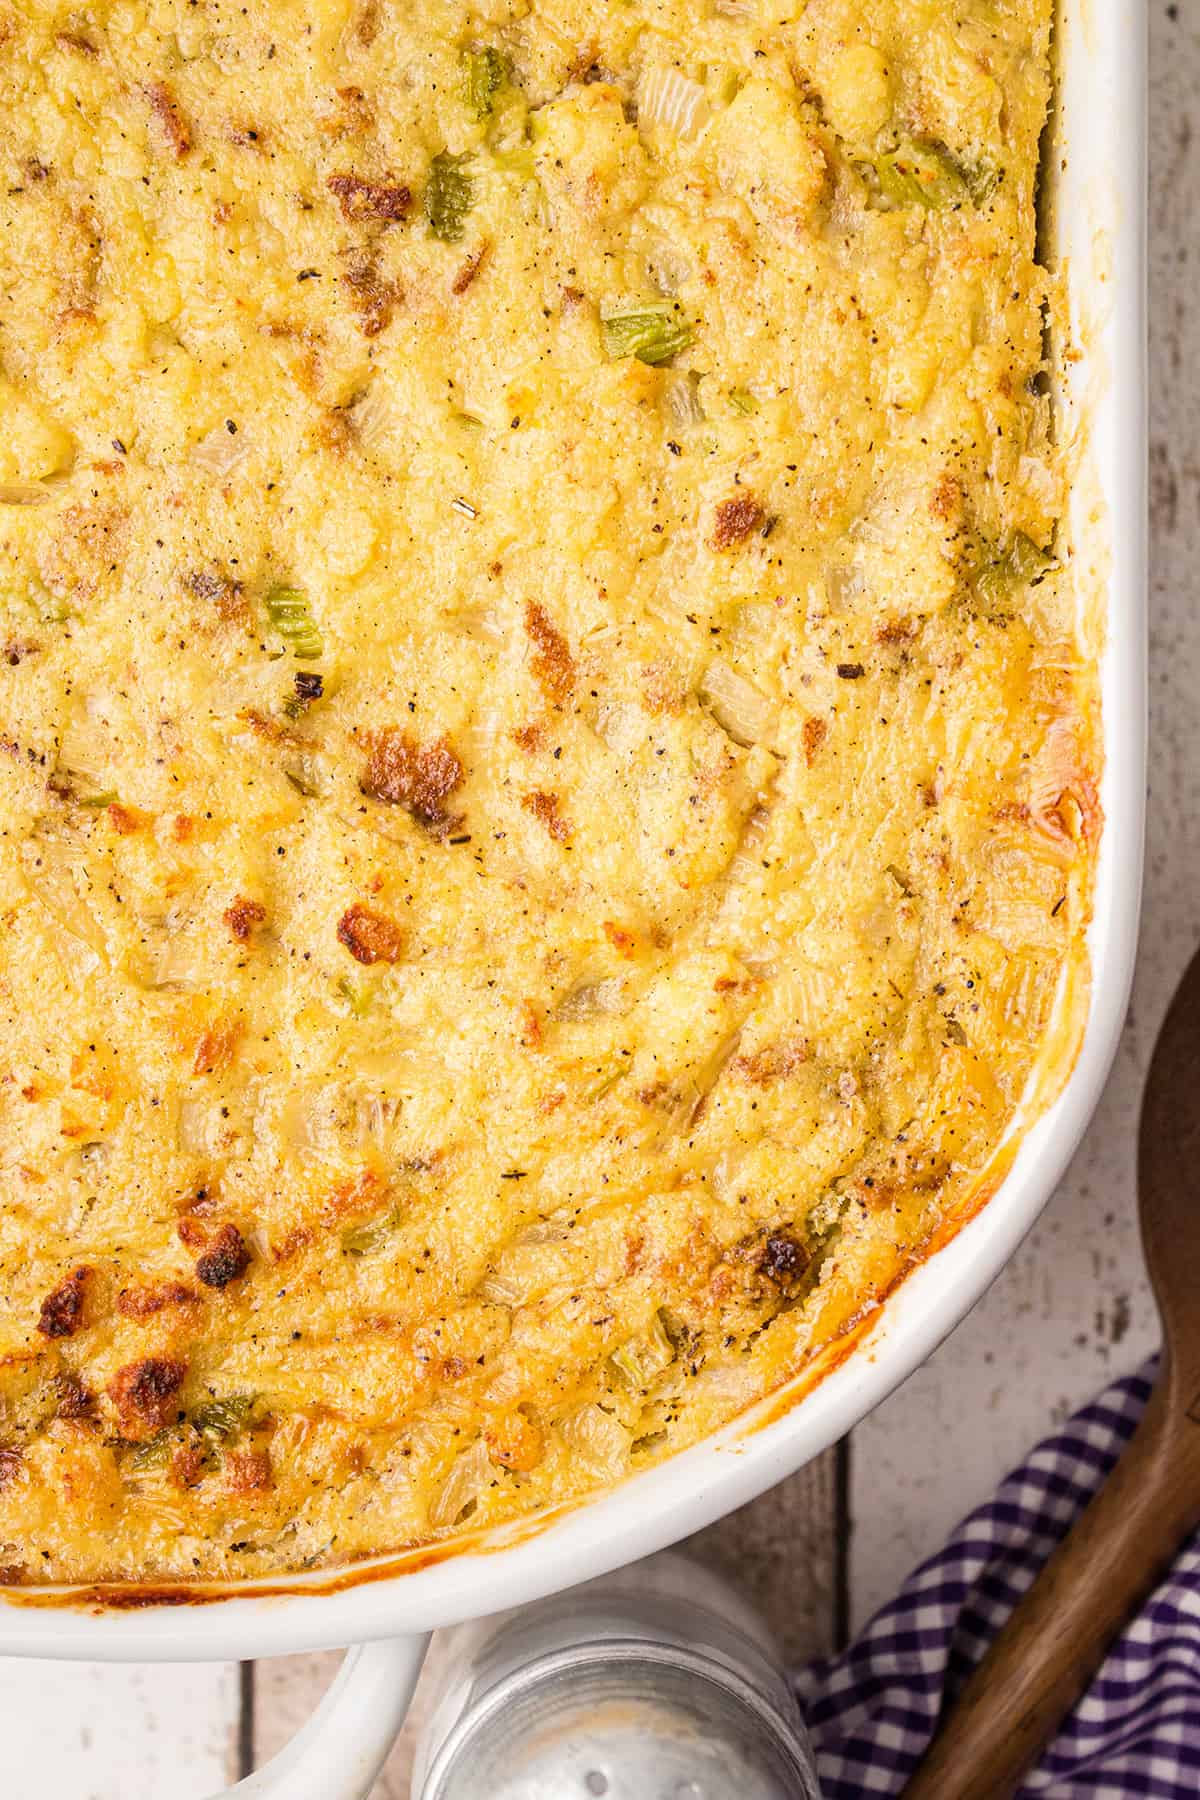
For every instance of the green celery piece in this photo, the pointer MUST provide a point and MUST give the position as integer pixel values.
(484, 74)
(290, 613)
(449, 196)
(654, 334)
(1021, 563)
(921, 174)
(743, 401)
(223, 1419)
(152, 1453)
(361, 1240)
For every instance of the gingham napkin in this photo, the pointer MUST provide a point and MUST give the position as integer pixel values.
(1135, 1735)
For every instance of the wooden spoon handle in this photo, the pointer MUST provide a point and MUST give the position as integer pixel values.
(1056, 1639)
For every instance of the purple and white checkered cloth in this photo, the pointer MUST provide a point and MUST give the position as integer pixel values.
(872, 1711)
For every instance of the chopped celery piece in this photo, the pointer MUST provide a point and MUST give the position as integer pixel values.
(361, 1240)
(485, 73)
(743, 401)
(289, 612)
(449, 196)
(106, 797)
(921, 174)
(654, 334)
(1019, 564)
(642, 1358)
(357, 996)
(222, 1419)
(153, 1453)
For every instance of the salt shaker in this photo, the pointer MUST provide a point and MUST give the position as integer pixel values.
(655, 1683)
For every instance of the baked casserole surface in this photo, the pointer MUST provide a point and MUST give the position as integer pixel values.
(547, 752)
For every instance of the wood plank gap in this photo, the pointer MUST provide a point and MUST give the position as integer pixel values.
(245, 1734)
(843, 1528)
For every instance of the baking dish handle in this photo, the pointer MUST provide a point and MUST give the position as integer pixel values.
(338, 1754)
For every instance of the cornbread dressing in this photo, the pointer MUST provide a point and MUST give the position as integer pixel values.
(548, 752)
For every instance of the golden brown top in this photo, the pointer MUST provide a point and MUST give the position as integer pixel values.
(545, 783)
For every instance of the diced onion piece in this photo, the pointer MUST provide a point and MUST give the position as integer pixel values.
(470, 1474)
(681, 397)
(23, 493)
(599, 1438)
(739, 708)
(670, 99)
(591, 1000)
(53, 878)
(500, 1289)
(640, 1360)
(372, 416)
(221, 451)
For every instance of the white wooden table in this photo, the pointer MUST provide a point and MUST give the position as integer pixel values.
(1071, 1309)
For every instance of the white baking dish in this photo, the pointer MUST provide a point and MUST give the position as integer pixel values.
(1097, 171)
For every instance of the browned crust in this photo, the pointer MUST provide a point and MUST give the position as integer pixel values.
(734, 521)
(369, 936)
(553, 665)
(165, 107)
(242, 915)
(61, 1312)
(545, 808)
(418, 777)
(224, 1260)
(144, 1394)
(361, 199)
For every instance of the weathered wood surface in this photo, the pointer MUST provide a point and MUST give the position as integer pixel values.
(1071, 1309)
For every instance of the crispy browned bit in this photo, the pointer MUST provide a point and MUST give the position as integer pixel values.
(75, 40)
(813, 733)
(370, 937)
(851, 671)
(734, 521)
(366, 28)
(273, 731)
(515, 1442)
(10, 1466)
(946, 498)
(897, 631)
(17, 649)
(531, 1025)
(147, 1302)
(226, 597)
(126, 819)
(773, 1062)
(175, 127)
(242, 915)
(183, 827)
(527, 737)
(620, 938)
(225, 1259)
(308, 684)
(545, 808)
(62, 1309)
(187, 1465)
(362, 199)
(372, 298)
(470, 269)
(783, 1259)
(248, 1471)
(216, 1046)
(71, 1399)
(419, 777)
(553, 665)
(144, 1393)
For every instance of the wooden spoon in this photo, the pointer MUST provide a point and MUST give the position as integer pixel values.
(1120, 1547)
